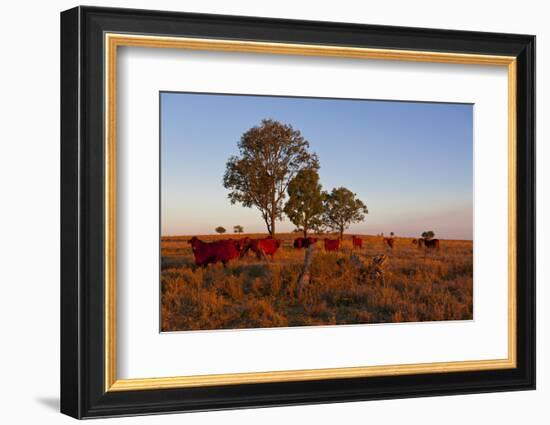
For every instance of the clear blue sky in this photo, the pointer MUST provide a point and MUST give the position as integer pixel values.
(410, 162)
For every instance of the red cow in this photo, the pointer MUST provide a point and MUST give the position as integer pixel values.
(431, 243)
(357, 242)
(218, 251)
(389, 242)
(263, 247)
(304, 242)
(332, 244)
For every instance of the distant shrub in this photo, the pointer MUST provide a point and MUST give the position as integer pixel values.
(429, 234)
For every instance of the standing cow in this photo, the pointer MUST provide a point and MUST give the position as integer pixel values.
(332, 244)
(213, 252)
(264, 247)
(427, 243)
(431, 243)
(243, 245)
(304, 242)
(357, 242)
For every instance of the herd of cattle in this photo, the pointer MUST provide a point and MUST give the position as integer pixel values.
(225, 250)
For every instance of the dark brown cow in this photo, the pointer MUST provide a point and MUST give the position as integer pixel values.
(357, 242)
(242, 245)
(431, 243)
(304, 242)
(332, 244)
(213, 252)
(390, 242)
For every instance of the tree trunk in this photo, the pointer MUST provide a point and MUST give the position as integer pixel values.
(273, 209)
(304, 274)
(341, 233)
(272, 233)
(266, 220)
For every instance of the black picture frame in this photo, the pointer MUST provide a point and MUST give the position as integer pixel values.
(82, 212)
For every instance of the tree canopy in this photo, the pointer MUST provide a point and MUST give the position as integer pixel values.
(220, 230)
(238, 229)
(342, 208)
(429, 234)
(270, 156)
(305, 201)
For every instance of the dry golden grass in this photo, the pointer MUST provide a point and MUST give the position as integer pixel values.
(252, 293)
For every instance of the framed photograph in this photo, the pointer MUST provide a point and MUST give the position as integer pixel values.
(261, 212)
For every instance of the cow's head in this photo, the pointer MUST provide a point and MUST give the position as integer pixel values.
(193, 242)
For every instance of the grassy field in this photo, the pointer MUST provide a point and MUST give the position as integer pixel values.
(251, 293)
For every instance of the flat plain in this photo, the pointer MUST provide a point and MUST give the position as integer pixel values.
(413, 285)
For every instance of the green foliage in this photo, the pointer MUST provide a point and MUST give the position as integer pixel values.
(238, 229)
(342, 208)
(220, 230)
(270, 156)
(305, 200)
(429, 234)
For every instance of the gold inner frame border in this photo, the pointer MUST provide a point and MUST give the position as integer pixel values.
(112, 41)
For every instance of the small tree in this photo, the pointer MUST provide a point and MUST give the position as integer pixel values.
(220, 230)
(270, 156)
(429, 234)
(305, 201)
(238, 229)
(391, 234)
(342, 208)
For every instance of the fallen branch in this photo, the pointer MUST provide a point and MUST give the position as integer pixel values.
(372, 270)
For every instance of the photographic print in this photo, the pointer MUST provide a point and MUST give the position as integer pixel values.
(295, 211)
